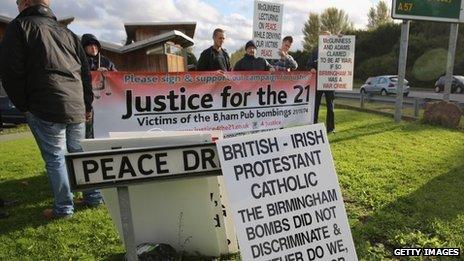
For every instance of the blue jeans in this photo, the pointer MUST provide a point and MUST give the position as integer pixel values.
(53, 140)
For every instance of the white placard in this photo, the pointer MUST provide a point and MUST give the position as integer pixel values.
(335, 63)
(285, 196)
(267, 29)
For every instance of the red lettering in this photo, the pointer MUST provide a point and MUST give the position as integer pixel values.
(266, 53)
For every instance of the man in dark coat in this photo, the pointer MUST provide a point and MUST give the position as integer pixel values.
(92, 47)
(215, 58)
(97, 62)
(46, 75)
(250, 62)
(329, 95)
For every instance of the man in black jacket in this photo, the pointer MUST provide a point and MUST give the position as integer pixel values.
(250, 62)
(329, 95)
(46, 75)
(215, 58)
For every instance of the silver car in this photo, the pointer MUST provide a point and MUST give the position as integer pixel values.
(383, 85)
(457, 85)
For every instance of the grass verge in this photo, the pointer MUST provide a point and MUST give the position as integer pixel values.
(402, 185)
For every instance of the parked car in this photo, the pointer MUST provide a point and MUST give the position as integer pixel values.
(457, 85)
(383, 85)
(8, 112)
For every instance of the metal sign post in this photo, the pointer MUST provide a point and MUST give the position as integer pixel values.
(127, 223)
(402, 69)
(450, 11)
(121, 168)
(450, 61)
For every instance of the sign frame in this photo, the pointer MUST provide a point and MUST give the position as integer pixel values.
(69, 158)
(394, 15)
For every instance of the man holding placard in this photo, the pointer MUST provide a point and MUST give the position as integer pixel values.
(286, 61)
(329, 95)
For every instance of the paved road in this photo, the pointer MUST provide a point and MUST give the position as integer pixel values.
(426, 94)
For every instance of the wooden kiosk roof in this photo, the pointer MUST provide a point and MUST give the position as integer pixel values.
(141, 31)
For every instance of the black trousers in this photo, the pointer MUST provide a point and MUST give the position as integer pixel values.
(329, 101)
(89, 128)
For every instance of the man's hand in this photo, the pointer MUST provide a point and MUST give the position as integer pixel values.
(102, 69)
(282, 54)
(313, 70)
(88, 116)
(223, 73)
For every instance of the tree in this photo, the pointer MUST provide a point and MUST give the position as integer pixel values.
(335, 21)
(237, 55)
(311, 31)
(332, 19)
(379, 15)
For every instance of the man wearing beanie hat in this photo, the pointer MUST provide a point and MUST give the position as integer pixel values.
(250, 62)
(92, 47)
(97, 62)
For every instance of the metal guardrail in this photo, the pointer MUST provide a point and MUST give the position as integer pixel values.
(416, 103)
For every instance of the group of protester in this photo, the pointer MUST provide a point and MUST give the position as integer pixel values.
(45, 69)
(217, 58)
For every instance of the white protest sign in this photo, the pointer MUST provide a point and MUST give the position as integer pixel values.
(335, 63)
(122, 166)
(267, 29)
(285, 196)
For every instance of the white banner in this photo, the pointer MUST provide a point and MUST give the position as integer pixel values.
(335, 63)
(285, 196)
(267, 29)
(233, 102)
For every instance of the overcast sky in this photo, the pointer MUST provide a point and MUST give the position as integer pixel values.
(106, 18)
